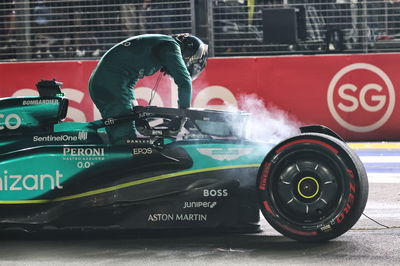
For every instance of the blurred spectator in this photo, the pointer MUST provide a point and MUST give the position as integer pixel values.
(60, 28)
(133, 17)
(7, 29)
(42, 39)
(179, 22)
(232, 21)
(110, 12)
(87, 24)
(375, 19)
(158, 17)
(393, 17)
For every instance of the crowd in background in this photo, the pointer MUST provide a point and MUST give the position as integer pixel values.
(359, 22)
(7, 25)
(87, 28)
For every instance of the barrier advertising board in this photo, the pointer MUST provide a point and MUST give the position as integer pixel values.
(355, 95)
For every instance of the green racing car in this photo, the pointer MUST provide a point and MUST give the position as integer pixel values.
(186, 170)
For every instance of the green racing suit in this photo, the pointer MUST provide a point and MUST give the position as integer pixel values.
(112, 81)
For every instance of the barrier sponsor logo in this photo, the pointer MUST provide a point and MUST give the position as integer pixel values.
(212, 92)
(361, 97)
(10, 121)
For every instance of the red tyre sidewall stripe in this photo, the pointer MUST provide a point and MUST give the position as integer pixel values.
(264, 176)
(268, 208)
(299, 141)
(297, 232)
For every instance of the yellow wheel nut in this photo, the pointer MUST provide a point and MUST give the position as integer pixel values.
(308, 187)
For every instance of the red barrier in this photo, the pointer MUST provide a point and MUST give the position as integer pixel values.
(355, 95)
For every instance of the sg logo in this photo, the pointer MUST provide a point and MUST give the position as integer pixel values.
(350, 98)
(379, 99)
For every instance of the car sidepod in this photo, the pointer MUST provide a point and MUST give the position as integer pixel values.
(218, 191)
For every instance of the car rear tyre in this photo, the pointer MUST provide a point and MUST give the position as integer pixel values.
(312, 187)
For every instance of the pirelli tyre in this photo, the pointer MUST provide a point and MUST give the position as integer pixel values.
(312, 187)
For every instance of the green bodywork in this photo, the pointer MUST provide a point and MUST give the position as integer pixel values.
(27, 174)
(38, 167)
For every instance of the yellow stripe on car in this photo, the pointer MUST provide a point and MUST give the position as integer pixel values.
(128, 184)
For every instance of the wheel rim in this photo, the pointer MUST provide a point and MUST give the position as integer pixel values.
(307, 186)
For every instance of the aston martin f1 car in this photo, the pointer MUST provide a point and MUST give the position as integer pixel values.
(186, 169)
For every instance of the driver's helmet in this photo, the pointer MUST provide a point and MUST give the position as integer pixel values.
(194, 52)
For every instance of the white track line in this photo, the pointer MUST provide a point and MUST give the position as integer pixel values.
(380, 159)
(384, 178)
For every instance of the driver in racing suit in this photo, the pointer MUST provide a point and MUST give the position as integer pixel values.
(111, 84)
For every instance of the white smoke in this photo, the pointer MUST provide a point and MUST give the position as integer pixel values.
(267, 124)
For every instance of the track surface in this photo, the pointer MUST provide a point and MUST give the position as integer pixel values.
(367, 243)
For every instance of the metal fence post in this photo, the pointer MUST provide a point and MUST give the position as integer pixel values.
(193, 13)
(210, 31)
(364, 27)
